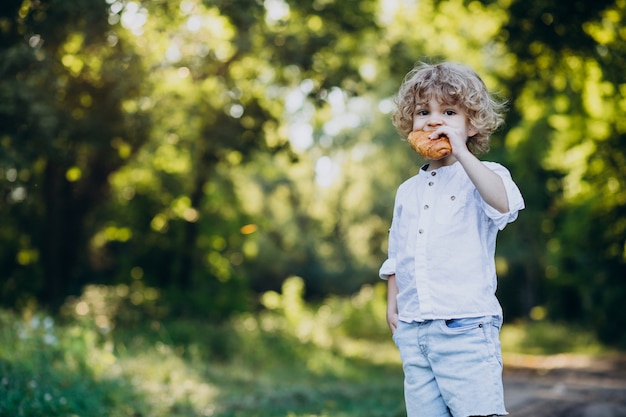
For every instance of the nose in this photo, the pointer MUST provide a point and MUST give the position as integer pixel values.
(434, 119)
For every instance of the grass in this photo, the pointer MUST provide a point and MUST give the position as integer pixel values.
(292, 360)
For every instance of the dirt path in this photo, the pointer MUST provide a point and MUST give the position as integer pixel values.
(565, 386)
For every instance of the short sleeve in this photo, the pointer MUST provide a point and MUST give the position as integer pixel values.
(514, 196)
(387, 269)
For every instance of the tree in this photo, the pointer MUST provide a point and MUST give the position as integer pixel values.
(69, 119)
(567, 140)
(213, 148)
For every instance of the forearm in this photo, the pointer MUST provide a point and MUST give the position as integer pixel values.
(392, 303)
(488, 183)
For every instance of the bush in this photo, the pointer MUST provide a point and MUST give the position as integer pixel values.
(51, 371)
(293, 358)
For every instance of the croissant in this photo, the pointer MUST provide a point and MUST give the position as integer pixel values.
(429, 148)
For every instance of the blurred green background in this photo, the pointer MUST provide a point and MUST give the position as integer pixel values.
(177, 160)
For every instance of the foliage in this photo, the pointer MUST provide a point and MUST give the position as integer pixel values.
(58, 370)
(549, 338)
(566, 145)
(207, 149)
(70, 117)
(294, 358)
(281, 362)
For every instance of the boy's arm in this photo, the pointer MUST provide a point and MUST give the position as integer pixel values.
(392, 303)
(488, 183)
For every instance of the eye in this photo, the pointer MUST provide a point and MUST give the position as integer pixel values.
(449, 112)
(421, 112)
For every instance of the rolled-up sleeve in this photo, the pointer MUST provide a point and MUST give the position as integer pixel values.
(387, 269)
(514, 196)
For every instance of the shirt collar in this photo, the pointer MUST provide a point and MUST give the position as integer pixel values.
(443, 169)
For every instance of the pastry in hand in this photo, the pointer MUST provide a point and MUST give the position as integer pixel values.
(429, 148)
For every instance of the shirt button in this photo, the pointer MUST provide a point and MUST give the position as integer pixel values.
(452, 198)
(431, 183)
(426, 207)
(433, 173)
(421, 231)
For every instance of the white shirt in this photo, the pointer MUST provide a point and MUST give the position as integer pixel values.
(442, 244)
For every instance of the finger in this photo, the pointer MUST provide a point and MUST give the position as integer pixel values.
(437, 134)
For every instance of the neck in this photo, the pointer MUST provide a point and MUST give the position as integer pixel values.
(447, 161)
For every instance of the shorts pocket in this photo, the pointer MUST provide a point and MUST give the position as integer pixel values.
(495, 340)
(395, 335)
(466, 323)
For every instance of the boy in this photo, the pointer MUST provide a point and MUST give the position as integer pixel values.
(441, 305)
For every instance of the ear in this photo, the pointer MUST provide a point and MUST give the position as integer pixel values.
(471, 130)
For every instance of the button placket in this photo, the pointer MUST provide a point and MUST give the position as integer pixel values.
(428, 197)
(424, 223)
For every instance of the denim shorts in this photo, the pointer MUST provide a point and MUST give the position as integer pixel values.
(452, 367)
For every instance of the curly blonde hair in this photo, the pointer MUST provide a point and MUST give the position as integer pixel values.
(452, 84)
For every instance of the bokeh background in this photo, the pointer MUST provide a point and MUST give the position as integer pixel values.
(190, 159)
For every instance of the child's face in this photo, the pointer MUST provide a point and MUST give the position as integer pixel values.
(431, 115)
